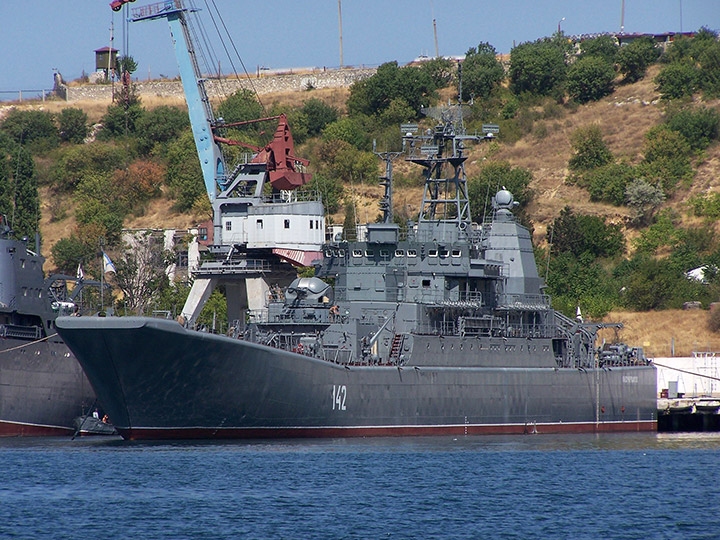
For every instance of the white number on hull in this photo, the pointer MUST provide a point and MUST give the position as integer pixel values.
(339, 395)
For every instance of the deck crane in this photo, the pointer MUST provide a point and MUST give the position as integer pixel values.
(254, 234)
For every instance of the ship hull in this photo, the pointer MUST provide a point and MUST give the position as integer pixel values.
(42, 389)
(158, 380)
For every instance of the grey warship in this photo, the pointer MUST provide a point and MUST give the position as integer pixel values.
(439, 328)
(42, 386)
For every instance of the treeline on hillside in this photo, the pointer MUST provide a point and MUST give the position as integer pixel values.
(134, 153)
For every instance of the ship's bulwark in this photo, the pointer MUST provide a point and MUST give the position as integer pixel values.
(158, 380)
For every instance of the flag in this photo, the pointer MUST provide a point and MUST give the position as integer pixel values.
(108, 265)
(578, 316)
(80, 273)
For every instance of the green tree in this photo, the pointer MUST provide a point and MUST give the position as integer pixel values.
(373, 95)
(667, 158)
(120, 120)
(344, 162)
(73, 125)
(159, 126)
(677, 80)
(590, 78)
(537, 68)
(699, 125)
(589, 149)
(347, 129)
(605, 47)
(76, 162)
(26, 220)
(440, 71)
(709, 74)
(481, 72)
(493, 176)
(634, 58)
(68, 253)
(184, 176)
(609, 182)
(31, 127)
(318, 115)
(579, 234)
(331, 191)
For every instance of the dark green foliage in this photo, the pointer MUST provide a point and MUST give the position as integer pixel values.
(440, 71)
(26, 220)
(651, 284)
(159, 126)
(578, 234)
(605, 47)
(240, 106)
(493, 176)
(120, 121)
(125, 63)
(634, 58)
(67, 253)
(667, 158)
(589, 149)
(580, 281)
(706, 205)
(373, 95)
(537, 68)
(75, 162)
(331, 191)
(709, 74)
(348, 129)
(677, 80)
(73, 125)
(590, 78)
(101, 202)
(343, 162)
(30, 127)
(318, 115)
(609, 182)
(481, 72)
(184, 176)
(699, 125)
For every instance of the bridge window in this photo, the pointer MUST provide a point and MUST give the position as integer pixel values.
(228, 225)
(444, 253)
(259, 224)
(433, 253)
(202, 233)
(357, 253)
(399, 253)
(425, 282)
(456, 253)
(412, 253)
(287, 223)
(311, 223)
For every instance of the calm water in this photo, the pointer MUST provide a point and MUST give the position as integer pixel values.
(639, 486)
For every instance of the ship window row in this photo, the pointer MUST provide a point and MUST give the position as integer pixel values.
(384, 253)
(316, 222)
(26, 291)
(444, 253)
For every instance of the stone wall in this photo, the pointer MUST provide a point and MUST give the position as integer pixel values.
(282, 82)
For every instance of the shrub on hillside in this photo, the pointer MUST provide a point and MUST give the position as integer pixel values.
(609, 182)
(537, 68)
(590, 78)
(329, 189)
(373, 95)
(73, 125)
(493, 176)
(343, 162)
(139, 183)
(440, 71)
(700, 125)
(677, 80)
(589, 149)
(644, 199)
(75, 162)
(318, 115)
(709, 74)
(481, 72)
(160, 126)
(605, 47)
(634, 58)
(706, 205)
(667, 158)
(349, 130)
(579, 234)
(184, 175)
(30, 127)
(120, 121)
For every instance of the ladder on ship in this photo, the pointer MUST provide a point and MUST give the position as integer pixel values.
(396, 348)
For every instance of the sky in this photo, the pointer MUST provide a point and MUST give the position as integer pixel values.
(38, 37)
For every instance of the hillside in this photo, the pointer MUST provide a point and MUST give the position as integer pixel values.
(624, 117)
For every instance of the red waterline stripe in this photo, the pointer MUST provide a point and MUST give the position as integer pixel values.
(380, 431)
(19, 429)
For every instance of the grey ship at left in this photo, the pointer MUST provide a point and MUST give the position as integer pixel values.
(42, 387)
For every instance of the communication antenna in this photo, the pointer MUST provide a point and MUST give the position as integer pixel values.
(340, 24)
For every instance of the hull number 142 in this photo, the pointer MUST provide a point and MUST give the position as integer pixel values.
(339, 395)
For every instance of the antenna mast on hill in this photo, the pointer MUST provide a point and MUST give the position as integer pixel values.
(340, 22)
(437, 54)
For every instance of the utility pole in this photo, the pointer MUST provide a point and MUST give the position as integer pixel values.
(340, 20)
(622, 18)
(432, 8)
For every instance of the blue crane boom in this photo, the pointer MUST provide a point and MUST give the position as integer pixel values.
(201, 114)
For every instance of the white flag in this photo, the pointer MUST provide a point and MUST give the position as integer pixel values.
(108, 265)
(578, 316)
(80, 273)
